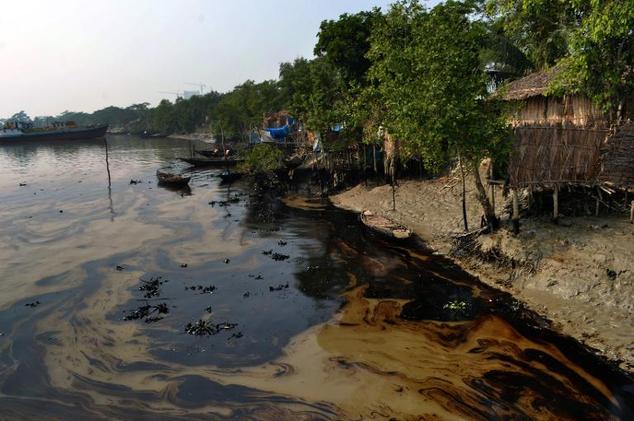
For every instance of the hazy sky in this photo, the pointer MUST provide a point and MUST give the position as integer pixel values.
(82, 55)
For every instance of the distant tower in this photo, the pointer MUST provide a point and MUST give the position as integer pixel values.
(189, 94)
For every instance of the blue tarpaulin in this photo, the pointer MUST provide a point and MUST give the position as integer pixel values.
(337, 128)
(279, 132)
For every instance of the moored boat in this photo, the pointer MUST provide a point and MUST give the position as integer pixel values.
(61, 132)
(212, 162)
(173, 180)
(384, 226)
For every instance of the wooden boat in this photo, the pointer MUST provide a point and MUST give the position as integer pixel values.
(384, 226)
(229, 176)
(52, 133)
(173, 180)
(212, 162)
(215, 153)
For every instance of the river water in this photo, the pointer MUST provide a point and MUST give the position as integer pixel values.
(123, 300)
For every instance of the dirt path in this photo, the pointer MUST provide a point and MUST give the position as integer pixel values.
(579, 274)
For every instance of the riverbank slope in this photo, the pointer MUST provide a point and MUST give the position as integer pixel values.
(579, 274)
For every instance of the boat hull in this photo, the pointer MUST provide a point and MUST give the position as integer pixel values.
(73, 134)
(385, 227)
(218, 162)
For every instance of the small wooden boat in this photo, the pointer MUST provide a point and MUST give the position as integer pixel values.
(214, 153)
(229, 176)
(173, 180)
(212, 162)
(384, 226)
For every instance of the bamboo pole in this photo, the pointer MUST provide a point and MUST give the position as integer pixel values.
(597, 206)
(556, 203)
(374, 159)
(516, 213)
(632, 212)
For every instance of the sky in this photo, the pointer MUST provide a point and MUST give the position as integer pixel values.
(81, 55)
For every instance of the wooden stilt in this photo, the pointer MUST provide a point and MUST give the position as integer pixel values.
(516, 213)
(376, 170)
(492, 185)
(632, 212)
(597, 206)
(556, 203)
(531, 198)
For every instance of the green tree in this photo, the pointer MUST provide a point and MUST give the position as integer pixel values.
(600, 62)
(345, 43)
(540, 28)
(262, 158)
(429, 75)
(314, 92)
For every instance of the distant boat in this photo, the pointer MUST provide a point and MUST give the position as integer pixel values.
(212, 162)
(173, 180)
(215, 153)
(384, 226)
(59, 132)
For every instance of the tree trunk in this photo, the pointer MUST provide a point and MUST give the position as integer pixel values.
(556, 204)
(464, 196)
(516, 212)
(393, 191)
(376, 170)
(489, 212)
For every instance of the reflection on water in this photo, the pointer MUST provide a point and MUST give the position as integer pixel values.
(127, 300)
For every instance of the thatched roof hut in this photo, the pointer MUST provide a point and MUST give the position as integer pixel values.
(564, 140)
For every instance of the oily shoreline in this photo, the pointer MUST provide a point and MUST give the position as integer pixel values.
(559, 271)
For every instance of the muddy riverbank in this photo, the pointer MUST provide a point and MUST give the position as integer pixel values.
(579, 274)
(123, 300)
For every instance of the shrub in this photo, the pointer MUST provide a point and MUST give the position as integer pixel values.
(262, 158)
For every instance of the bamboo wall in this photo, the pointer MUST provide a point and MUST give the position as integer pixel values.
(617, 164)
(547, 155)
(573, 110)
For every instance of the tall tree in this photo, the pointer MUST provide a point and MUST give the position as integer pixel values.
(428, 69)
(540, 28)
(314, 91)
(345, 43)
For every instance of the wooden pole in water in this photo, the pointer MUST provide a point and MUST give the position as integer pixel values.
(105, 142)
(516, 212)
(556, 203)
(597, 205)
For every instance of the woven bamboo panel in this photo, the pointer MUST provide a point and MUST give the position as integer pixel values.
(548, 155)
(617, 163)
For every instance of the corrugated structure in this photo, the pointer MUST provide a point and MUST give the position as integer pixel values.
(564, 140)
